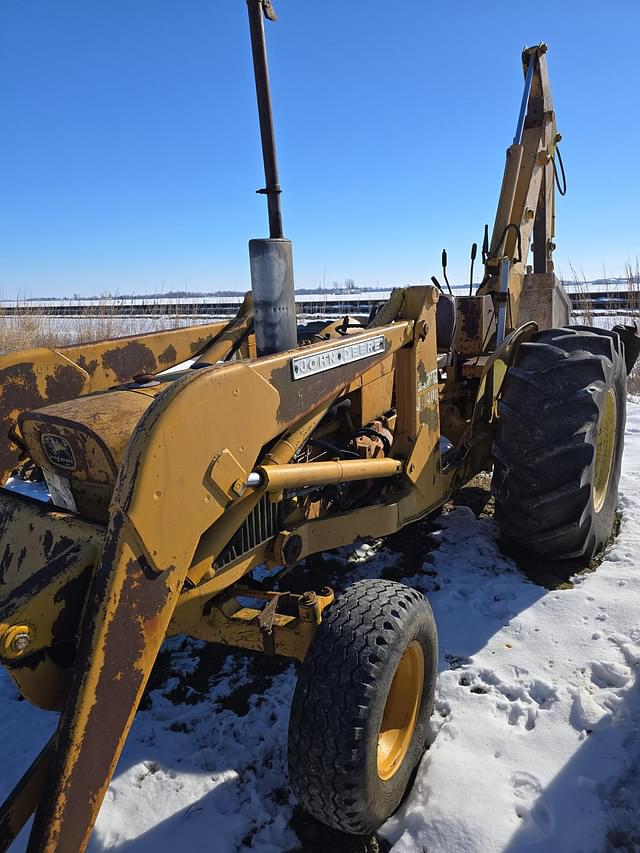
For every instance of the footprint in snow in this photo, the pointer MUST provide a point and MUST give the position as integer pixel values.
(456, 661)
(609, 674)
(531, 806)
(629, 649)
(598, 701)
(518, 703)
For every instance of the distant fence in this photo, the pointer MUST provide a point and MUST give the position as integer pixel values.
(602, 295)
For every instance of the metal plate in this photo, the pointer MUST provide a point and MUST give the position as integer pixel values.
(319, 362)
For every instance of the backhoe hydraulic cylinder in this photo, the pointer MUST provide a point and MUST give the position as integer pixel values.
(501, 325)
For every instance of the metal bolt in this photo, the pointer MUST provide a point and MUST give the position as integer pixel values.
(16, 640)
(239, 487)
(20, 642)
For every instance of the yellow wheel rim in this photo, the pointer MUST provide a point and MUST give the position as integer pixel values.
(605, 450)
(401, 711)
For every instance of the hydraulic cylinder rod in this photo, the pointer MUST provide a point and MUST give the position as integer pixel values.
(275, 478)
(501, 326)
(528, 80)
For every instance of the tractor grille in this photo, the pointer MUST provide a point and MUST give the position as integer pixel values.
(265, 520)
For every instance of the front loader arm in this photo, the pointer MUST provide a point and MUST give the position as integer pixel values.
(34, 378)
(38, 377)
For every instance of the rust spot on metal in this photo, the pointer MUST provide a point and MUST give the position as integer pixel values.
(72, 595)
(5, 562)
(168, 356)
(60, 547)
(47, 543)
(39, 580)
(429, 416)
(89, 366)
(470, 317)
(99, 366)
(129, 359)
(147, 569)
(196, 346)
(66, 382)
(18, 391)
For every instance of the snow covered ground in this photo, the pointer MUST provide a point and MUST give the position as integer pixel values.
(535, 733)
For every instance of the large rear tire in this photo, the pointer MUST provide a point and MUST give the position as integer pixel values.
(558, 447)
(360, 714)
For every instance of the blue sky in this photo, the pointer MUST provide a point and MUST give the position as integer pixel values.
(129, 153)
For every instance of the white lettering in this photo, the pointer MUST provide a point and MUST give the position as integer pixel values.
(308, 365)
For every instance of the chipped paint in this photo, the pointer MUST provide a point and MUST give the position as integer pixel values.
(38, 377)
(168, 356)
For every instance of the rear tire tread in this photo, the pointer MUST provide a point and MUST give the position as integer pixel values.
(544, 451)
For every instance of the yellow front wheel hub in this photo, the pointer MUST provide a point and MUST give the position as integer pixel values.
(401, 711)
(605, 450)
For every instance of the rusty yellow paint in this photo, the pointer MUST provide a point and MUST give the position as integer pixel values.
(21, 802)
(225, 620)
(527, 193)
(155, 570)
(33, 378)
(475, 323)
(122, 629)
(233, 337)
(47, 558)
(340, 529)
(158, 474)
(213, 540)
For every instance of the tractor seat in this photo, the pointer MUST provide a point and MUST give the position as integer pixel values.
(445, 322)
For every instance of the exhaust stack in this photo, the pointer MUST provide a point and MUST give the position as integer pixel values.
(271, 259)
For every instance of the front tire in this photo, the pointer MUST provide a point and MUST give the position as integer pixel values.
(558, 447)
(360, 714)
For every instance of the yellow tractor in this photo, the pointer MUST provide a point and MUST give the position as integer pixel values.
(168, 489)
